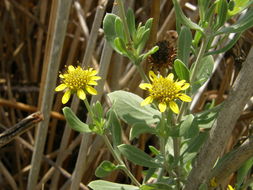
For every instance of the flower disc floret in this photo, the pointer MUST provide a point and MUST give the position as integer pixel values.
(165, 91)
(77, 81)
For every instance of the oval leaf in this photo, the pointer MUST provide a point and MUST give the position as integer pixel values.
(106, 185)
(74, 122)
(137, 156)
(109, 29)
(181, 70)
(204, 72)
(156, 186)
(187, 129)
(184, 44)
(105, 168)
(115, 127)
(128, 108)
(140, 128)
(131, 22)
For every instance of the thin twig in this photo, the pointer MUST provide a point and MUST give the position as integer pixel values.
(20, 128)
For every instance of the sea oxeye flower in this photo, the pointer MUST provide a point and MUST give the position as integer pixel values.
(165, 91)
(77, 81)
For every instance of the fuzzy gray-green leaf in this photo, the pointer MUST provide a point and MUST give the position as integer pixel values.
(137, 156)
(74, 122)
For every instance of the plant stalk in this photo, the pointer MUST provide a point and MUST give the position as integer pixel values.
(201, 53)
(118, 159)
(142, 73)
(123, 17)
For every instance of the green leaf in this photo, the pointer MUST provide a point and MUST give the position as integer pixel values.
(98, 109)
(148, 174)
(74, 122)
(119, 29)
(241, 25)
(142, 41)
(137, 156)
(156, 186)
(128, 108)
(187, 129)
(238, 6)
(243, 172)
(131, 22)
(140, 128)
(120, 47)
(106, 185)
(115, 127)
(203, 186)
(204, 72)
(227, 46)
(154, 150)
(105, 168)
(202, 5)
(150, 52)
(181, 70)
(222, 9)
(193, 147)
(183, 19)
(206, 118)
(149, 23)
(184, 44)
(109, 29)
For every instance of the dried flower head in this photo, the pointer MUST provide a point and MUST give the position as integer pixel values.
(164, 57)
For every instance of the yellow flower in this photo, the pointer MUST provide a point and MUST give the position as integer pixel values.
(213, 182)
(79, 81)
(230, 187)
(165, 91)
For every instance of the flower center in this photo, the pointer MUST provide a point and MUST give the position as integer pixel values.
(76, 79)
(164, 90)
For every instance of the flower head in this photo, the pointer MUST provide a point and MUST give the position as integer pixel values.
(165, 91)
(79, 81)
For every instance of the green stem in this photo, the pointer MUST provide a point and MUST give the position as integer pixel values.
(88, 107)
(119, 161)
(162, 146)
(142, 73)
(201, 53)
(123, 17)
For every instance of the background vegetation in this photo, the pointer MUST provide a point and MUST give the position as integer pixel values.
(26, 32)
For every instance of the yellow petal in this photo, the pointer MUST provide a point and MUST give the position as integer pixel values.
(92, 82)
(186, 85)
(61, 76)
(66, 96)
(93, 72)
(147, 101)
(60, 87)
(81, 94)
(162, 106)
(230, 187)
(152, 75)
(170, 76)
(91, 90)
(95, 78)
(184, 97)
(71, 68)
(145, 86)
(180, 83)
(174, 107)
